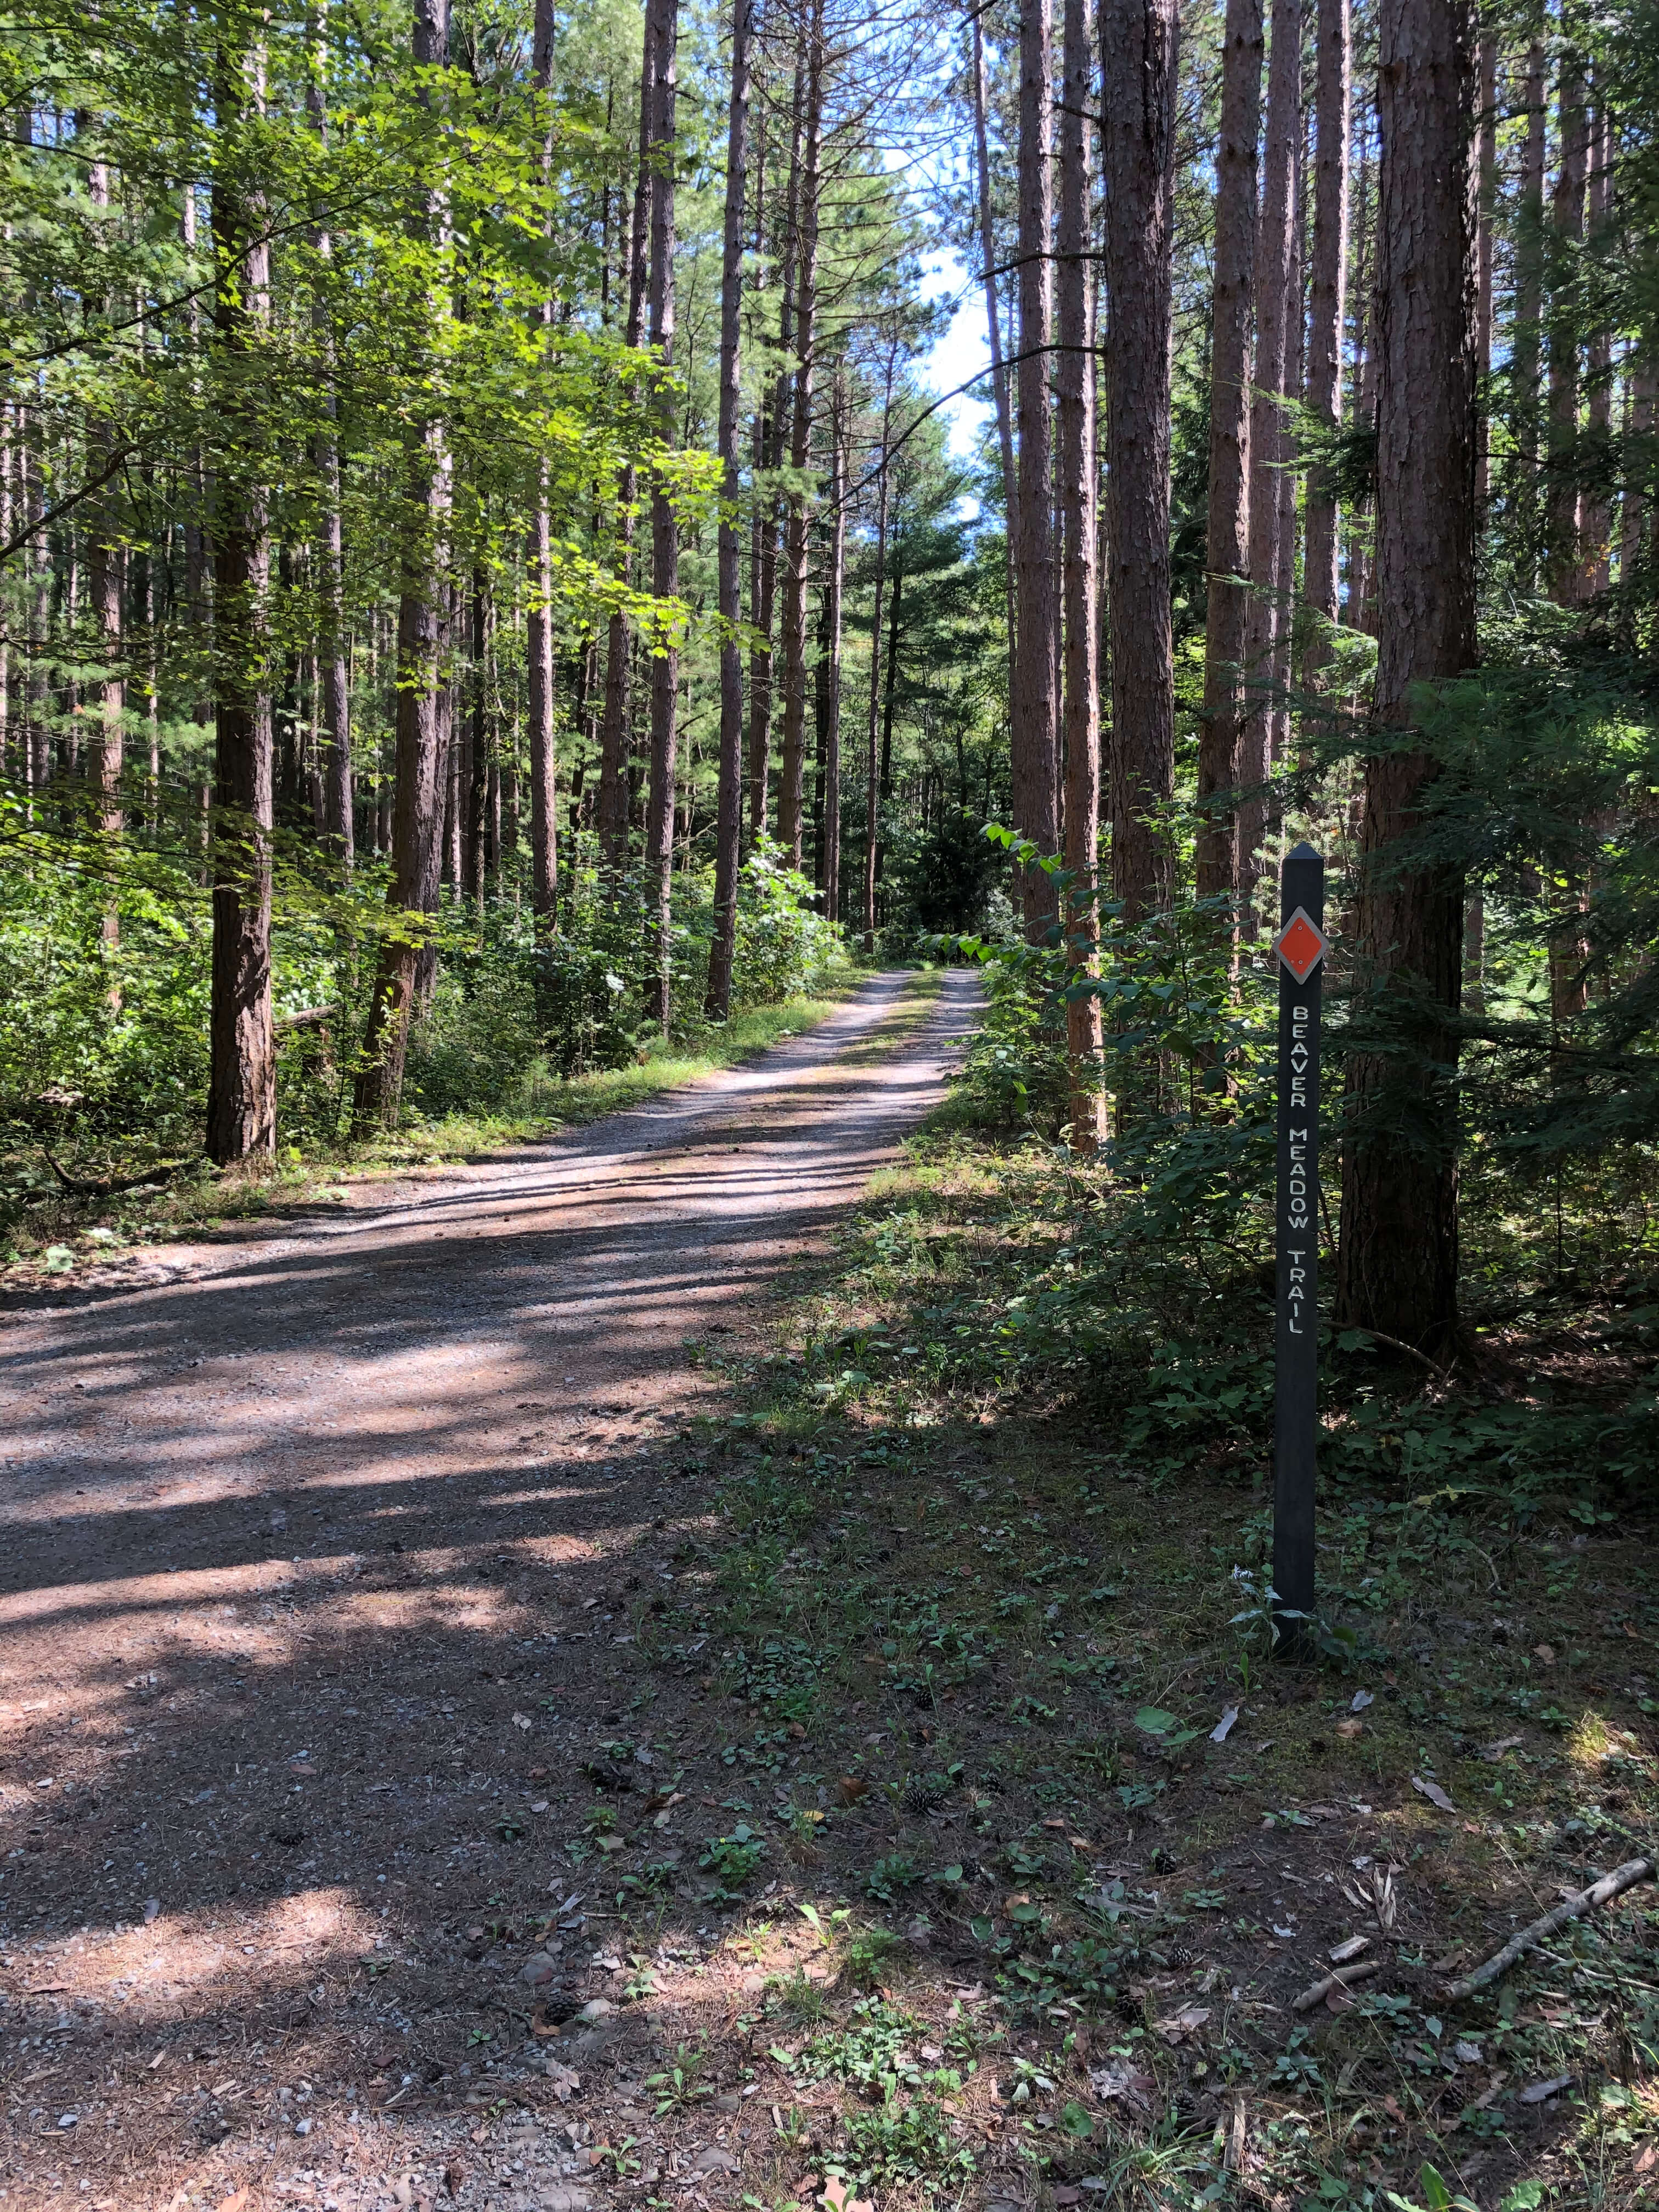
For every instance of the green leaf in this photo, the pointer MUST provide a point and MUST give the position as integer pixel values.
(1435, 2194)
(1152, 1720)
(1075, 2121)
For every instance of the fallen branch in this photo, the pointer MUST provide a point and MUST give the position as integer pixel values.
(1399, 1344)
(1587, 1900)
(113, 1186)
(1339, 1980)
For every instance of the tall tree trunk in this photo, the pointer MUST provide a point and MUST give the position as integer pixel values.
(476, 789)
(12, 727)
(1228, 535)
(890, 682)
(1274, 261)
(1527, 319)
(332, 676)
(728, 832)
(195, 533)
(1365, 388)
(793, 765)
(1138, 42)
(987, 253)
(1034, 732)
(241, 1110)
(770, 431)
(1567, 231)
(334, 690)
(1327, 312)
(1076, 380)
(1397, 1270)
(106, 571)
(421, 772)
(873, 784)
(616, 732)
(828, 669)
(538, 583)
(457, 771)
(1278, 723)
(1487, 167)
(1598, 401)
(664, 529)
(1635, 518)
(38, 558)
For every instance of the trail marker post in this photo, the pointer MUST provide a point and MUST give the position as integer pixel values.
(1300, 948)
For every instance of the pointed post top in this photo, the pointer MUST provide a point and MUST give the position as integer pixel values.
(1302, 852)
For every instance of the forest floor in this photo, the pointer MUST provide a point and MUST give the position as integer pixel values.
(523, 1719)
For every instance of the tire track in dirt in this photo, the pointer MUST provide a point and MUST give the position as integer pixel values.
(313, 1542)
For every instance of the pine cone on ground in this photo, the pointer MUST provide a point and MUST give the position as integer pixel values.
(925, 1795)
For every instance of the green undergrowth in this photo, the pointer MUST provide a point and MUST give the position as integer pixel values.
(981, 1619)
(1010, 1272)
(967, 1681)
(55, 1232)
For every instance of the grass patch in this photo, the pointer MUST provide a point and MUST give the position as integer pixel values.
(979, 1616)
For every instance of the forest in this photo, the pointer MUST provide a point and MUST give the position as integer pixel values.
(549, 548)
(488, 579)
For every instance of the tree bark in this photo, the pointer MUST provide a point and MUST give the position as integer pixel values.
(1278, 722)
(1562, 531)
(728, 832)
(1397, 1268)
(106, 570)
(1228, 536)
(421, 774)
(793, 765)
(1139, 40)
(770, 445)
(1364, 388)
(890, 689)
(241, 1112)
(1033, 730)
(1327, 311)
(1487, 164)
(988, 252)
(1274, 261)
(829, 671)
(873, 785)
(615, 735)
(476, 790)
(333, 687)
(665, 527)
(1528, 321)
(1078, 593)
(1635, 520)
(1598, 398)
(538, 583)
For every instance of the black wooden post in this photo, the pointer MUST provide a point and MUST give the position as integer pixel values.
(1300, 946)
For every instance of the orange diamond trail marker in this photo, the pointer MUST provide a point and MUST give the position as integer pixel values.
(1301, 946)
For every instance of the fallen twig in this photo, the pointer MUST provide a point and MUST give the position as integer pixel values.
(1399, 1344)
(111, 1186)
(1598, 1893)
(1339, 1980)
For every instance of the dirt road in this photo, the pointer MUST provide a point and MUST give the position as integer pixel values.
(325, 1553)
